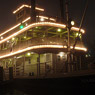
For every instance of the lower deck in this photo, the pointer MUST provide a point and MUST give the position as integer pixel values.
(45, 65)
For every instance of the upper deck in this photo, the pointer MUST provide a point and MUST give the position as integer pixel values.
(45, 33)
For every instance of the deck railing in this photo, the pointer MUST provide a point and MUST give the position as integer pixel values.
(38, 41)
(32, 71)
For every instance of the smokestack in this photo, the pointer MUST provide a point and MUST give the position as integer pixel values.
(62, 3)
(33, 11)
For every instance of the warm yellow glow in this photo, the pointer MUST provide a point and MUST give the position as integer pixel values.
(42, 19)
(15, 26)
(27, 6)
(61, 54)
(25, 37)
(23, 22)
(73, 28)
(31, 26)
(86, 56)
(77, 29)
(72, 23)
(40, 9)
(26, 19)
(46, 18)
(52, 19)
(38, 47)
(59, 30)
(10, 29)
(13, 39)
(1, 38)
(30, 48)
(65, 46)
(79, 48)
(28, 54)
(78, 34)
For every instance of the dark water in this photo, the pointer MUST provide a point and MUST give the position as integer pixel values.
(67, 86)
(48, 91)
(13, 92)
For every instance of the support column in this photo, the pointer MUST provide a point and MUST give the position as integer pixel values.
(10, 73)
(1, 73)
(80, 62)
(5, 64)
(33, 11)
(24, 64)
(38, 67)
(15, 66)
(55, 61)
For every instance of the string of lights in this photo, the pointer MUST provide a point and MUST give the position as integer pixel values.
(42, 23)
(39, 47)
(27, 6)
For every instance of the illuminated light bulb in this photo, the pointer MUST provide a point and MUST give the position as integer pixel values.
(28, 54)
(72, 23)
(27, 6)
(59, 30)
(77, 34)
(1, 38)
(86, 56)
(42, 19)
(80, 35)
(61, 54)
(13, 39)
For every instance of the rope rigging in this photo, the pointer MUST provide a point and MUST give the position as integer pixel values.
(81, 23)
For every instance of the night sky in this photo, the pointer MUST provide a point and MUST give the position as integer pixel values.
(7, 19)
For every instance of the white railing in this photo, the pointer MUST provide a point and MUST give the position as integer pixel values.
(37, 41)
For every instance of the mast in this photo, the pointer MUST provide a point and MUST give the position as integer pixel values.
(33, 11)
(62, 10)
(68, 30)
(81, 23)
